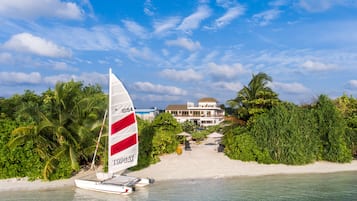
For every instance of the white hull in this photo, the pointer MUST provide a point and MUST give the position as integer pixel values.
(105, 187)
(118, 184)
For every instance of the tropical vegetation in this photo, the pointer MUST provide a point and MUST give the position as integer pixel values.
(53, 135)
(282, 132)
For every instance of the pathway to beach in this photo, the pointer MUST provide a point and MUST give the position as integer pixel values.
(202, 162)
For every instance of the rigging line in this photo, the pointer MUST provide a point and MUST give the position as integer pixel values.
(100, 135)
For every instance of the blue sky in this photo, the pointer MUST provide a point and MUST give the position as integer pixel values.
(171, 52)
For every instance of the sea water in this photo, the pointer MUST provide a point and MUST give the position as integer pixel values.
(304, 187)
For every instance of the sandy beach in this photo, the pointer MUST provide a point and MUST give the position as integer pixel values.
(202, 162)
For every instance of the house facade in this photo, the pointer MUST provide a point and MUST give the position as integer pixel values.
(206, 113)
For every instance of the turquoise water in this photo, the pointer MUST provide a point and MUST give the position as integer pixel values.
(336, 186)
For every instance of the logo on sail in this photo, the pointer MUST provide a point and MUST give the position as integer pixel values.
(124, 159)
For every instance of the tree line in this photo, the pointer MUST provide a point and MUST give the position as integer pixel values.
(53, 135)
(274, 131)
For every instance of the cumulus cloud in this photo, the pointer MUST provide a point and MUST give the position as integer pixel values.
(183, 75)
(317, 66)
(230, 86)
(264, 18)
(38, 8)
(230, 15)
(293, 88)
(5, 57)
(62, 66)
(25, 42)
(87, 78)
(225, 71)
(8, 78)
(353, 84)
(159, 89)
(184, 43)
(193, 21)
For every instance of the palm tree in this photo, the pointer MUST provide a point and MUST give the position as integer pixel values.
(255, 98)
(65, 130)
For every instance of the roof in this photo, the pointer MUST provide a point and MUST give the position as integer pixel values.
(207, 99)
(176, 107)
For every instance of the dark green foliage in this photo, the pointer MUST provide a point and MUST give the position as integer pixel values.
(293, 135)
(60, 125)
(348, 108)
(20, 161)
(165, 140)
(156, 138)
(240, 145)
(288, 133)
(331, 130)
(188, 126)
(146, 134)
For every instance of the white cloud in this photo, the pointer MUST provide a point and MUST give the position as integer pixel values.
(318, 5)
(160, 89)
(230, 15)
(226, 71)
(183, 75)
(26, 42)
(278, 3)
(33, 9)
(102, 38)
(353, 84)
(264, 18)
(226, 3)
(293, 88)
(317, 66)
(87, 78)
(144, 54)
(185, 43)
(62, 66)
(8, 78)
(162, 27)
(148, 8)
(5, 57)
(135, 28)
(193, 21)
(231, 86)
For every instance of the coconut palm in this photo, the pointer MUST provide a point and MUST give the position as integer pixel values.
(255, 98)
(70, 115)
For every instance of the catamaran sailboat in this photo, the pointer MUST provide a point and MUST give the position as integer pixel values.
(123, 145)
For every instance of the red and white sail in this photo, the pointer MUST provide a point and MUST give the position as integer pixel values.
(123, 129)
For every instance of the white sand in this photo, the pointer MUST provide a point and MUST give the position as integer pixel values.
(205, 162)
(202, 162)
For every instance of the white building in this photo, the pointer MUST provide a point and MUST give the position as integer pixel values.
(206, 113)
(147, 114)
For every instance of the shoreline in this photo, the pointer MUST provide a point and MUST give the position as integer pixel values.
(203, 162)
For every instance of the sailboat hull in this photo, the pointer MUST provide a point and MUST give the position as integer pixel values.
(104, 186)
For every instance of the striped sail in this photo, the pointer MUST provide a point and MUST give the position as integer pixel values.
(123, 129)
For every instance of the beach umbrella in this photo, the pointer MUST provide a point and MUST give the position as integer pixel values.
(184, 134)
(215, 135)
